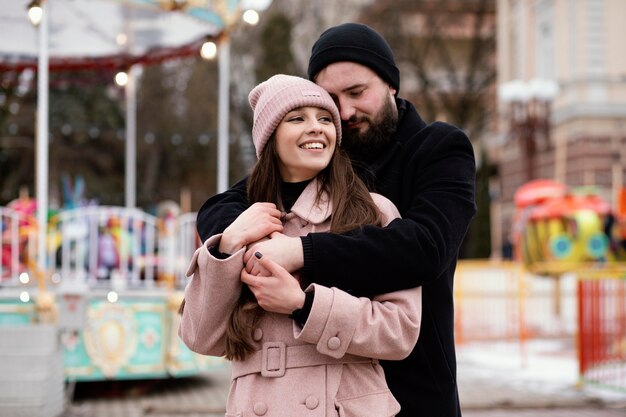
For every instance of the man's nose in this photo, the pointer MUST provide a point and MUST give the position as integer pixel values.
(345, 109)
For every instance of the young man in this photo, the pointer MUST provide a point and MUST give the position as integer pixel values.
(426, 170)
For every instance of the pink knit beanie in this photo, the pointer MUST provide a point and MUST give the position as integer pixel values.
(273, 99)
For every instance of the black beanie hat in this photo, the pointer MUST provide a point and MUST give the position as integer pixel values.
(354, 42)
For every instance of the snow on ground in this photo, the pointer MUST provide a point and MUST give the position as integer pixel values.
(537, 373)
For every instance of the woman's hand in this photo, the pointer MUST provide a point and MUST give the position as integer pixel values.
(279, 292)
(258, 221)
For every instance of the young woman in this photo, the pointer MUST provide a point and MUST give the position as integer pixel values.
(319, 358)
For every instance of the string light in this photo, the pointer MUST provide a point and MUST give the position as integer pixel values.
(251, 17)
(208, 50)
(121, 39)
(24, 278)
(121, 78)
(35, 12)
(112, 297)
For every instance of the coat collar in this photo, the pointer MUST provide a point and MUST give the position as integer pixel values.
(309, 208)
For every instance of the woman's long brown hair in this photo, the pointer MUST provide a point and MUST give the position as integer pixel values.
(353, 207)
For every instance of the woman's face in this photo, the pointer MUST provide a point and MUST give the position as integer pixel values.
(305, 143)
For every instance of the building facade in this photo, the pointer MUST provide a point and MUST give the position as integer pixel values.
(574, 133)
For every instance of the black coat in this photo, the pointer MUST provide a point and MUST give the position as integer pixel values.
(428, 171)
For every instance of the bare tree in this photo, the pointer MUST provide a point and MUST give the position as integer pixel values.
(16, 135)
(446, 52)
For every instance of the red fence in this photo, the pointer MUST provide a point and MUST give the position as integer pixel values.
(602, 330)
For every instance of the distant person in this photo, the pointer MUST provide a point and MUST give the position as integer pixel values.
(319, 347)
(427, 170)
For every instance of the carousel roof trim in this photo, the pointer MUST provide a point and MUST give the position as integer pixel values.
(83, 34)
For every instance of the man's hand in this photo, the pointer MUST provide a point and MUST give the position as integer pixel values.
(279, 292)
(283, 250)
(258, 221)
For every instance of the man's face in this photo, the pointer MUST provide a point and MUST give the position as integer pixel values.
(367, 106)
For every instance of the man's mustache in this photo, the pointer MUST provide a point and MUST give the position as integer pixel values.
(354, 119)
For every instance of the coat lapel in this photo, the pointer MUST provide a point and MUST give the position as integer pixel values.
(306, 207)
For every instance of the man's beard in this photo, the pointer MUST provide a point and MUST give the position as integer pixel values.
(367, 146)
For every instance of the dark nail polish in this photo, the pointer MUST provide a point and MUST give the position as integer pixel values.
(259, 255)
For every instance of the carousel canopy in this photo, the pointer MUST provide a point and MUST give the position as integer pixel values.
(114, 33)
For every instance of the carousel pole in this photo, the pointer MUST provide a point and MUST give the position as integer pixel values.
(130, 95)
(229, 11)
(223, 109)
(42, 139)
(131, 138)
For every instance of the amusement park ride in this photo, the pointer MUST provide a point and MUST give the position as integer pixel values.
(113, 287)
(108, 279)
(557, 229)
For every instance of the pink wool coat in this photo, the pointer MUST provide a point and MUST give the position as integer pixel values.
(329, 366)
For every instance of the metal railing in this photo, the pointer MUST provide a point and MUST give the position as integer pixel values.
(500, 300)
(602, 328)
(101, 246)
(18, 234)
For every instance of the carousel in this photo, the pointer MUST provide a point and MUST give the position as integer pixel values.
(108, 280)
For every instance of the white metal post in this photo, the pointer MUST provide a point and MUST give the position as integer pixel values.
(130, 91)
(42, 139)
(222, 112)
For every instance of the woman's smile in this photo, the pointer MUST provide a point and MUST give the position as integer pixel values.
(305, 143)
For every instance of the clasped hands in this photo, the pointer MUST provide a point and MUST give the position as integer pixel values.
(269, 272)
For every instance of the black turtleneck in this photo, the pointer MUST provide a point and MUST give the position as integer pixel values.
(290, 191)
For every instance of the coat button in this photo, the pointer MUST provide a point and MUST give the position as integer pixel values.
(311, 402)
(260, 408)
(257, 334)
(334, 343)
